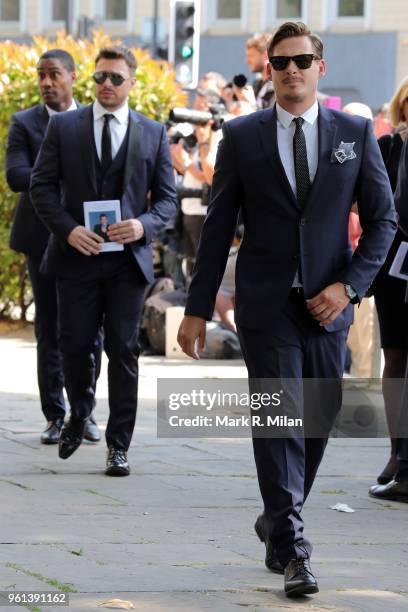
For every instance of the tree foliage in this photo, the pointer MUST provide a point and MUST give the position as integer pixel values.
(156, 92)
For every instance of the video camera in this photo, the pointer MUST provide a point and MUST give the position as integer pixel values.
(189, 141)
(216, 114)
(191, 192)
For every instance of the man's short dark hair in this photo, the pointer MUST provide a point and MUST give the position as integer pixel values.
(64, 57)
(118, 52)
(292, 29)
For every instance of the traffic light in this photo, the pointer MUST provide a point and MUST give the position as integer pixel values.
(184, 40)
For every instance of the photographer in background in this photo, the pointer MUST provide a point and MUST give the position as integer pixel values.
(239, 97)
(196, 165)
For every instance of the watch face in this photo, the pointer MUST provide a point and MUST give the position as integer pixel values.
(351, 294)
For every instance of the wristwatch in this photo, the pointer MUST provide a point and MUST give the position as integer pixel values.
(351, 294)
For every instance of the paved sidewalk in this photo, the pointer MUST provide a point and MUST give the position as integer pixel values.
(177, 535)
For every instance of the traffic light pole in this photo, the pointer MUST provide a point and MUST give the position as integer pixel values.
(69, 16)
(155, 31)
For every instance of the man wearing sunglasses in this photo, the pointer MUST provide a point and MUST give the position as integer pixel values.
(294, 171)
(56, 75)
(103, 152)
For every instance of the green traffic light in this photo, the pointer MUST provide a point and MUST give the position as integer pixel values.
(186, 51)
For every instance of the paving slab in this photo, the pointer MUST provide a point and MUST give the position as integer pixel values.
(177, 535)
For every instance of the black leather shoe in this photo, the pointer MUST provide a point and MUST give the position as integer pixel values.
(271, 560)
(92, 433)
(299, 579)
(52, 433)
(117, 463)
(394, 491)
(71, 437)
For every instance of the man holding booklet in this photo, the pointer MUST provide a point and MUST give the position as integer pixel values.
(103, 157)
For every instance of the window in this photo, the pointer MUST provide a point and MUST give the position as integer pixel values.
(275, 12)
(350, 8)
(349, 13)
(9, 10)
(287, 9)
(226, 14)
(116, 10)
(228, 9)
(59, 10)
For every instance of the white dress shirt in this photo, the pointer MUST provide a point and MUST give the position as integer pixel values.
(118, 126)
(286, 131)
(52, 112)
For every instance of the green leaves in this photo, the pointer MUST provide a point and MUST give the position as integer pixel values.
(155, 93)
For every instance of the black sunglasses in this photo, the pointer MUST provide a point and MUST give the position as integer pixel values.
(116, 79)
(303, 61)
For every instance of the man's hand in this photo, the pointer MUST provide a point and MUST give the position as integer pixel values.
(126, 231)
(245, 94)
(191, 330)
(181, 160)
(328, 304)
(85, 241)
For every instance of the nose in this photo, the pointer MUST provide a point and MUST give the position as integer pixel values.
(291, 67)
(45, 80)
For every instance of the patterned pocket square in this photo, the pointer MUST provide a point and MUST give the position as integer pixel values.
(344, 152)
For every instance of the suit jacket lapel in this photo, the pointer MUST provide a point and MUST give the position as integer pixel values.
(327, 130)
(133, 148)
(42, 118)
(269, 140)
(86, 139)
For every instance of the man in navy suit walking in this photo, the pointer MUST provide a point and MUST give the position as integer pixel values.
(294, 171)
(103, 152)
(56, 74)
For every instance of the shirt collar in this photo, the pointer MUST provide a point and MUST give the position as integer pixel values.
(121, 113)
(52, 112)
(285, 118)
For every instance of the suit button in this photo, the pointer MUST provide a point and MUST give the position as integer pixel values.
(303, 221)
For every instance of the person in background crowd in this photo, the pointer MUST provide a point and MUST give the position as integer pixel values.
(257, 59)
(389, 292)
(197, 167)
(361, 334)
(213, 81)
(56, 75)
(382, 122)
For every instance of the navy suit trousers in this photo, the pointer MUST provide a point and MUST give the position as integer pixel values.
(49, 363)
(110, 295)
(294, 347)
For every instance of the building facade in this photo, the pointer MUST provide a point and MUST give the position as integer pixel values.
(364, 39)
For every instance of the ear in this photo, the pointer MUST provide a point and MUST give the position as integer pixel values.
(269, 71)
(322, 68)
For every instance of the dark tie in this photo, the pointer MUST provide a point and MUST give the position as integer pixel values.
(106, 158)
(300, 158)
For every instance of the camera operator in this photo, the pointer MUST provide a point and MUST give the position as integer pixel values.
(195, 161)
(239, 97)
(196, 165)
